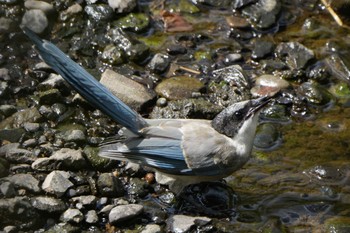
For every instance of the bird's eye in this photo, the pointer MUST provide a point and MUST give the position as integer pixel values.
(238, 115)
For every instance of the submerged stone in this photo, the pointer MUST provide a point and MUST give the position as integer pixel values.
(179, 87)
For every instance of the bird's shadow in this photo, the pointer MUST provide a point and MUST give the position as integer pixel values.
(212, 199)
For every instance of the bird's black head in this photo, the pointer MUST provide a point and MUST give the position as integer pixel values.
(232, 118)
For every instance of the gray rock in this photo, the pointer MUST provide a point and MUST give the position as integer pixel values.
(159, 63)
(18, 211)
(35, 20)
(11, 135)
(109, 185)
(71, 11)
(75, 135)
(100, 12)
(7, 147)
(122, 86)
(4, 167)
(152, 228)
(295, 54)
(72, 215)
(7, 189)
(65, 159)
(25, 181)
(17, 119)
(106, 209)
(124, 212)
(88, 200)
(4, 88)
(10, 229)
(264, 13)
(268, 85)
(240, 3)
(5, 25)
(40, 5)
(179, 87)
(57, 183)
(262, 48)
(17, 155)
(53, 81)
(91, 217)
(113, 55)
(21, 168)
(48, 204)
(50, 96)
(4, 73)
(30, 143)
(64, 227)
(183, 223)
(31, 127)
(7, 110)
(122, 6)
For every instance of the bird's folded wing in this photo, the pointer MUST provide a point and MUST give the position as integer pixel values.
(160, 148)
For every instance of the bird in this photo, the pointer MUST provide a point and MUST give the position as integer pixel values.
(181, 151)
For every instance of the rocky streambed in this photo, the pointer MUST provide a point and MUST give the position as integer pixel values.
(176, 59)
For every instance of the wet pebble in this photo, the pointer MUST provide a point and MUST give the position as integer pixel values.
(7, 189)
(315, 94)
(71, 11)
(276, 113)
(57, 183)
(85, 201)
(159, 63)
(264, 13)
(62, 159)
(122, 6)
(48, 204)
(183, 223)
(267, 137)
(11, 135)
(5, 25)
(113, 55)
(75, 135)
(99, 12)
(53, 81)
(179, 87)
(268, 85)
(152, 228)
(20, 212)
(31, 127)
(136, 22)
(50, 96)
(4, 74)
(295, 54)
(91, 217)
(109, 185)
(262, 48)
(17, 119)
(339, 67)
(124, 212)
(25, 181)
(18, 155)
(36, 20)
(339, 224)
(40, 5)
(72, 215)
(7, 110)
(237, 22)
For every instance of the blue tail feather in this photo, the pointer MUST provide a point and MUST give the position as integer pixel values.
(86, 85)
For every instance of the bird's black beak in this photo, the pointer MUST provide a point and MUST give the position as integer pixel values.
(258, 104)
